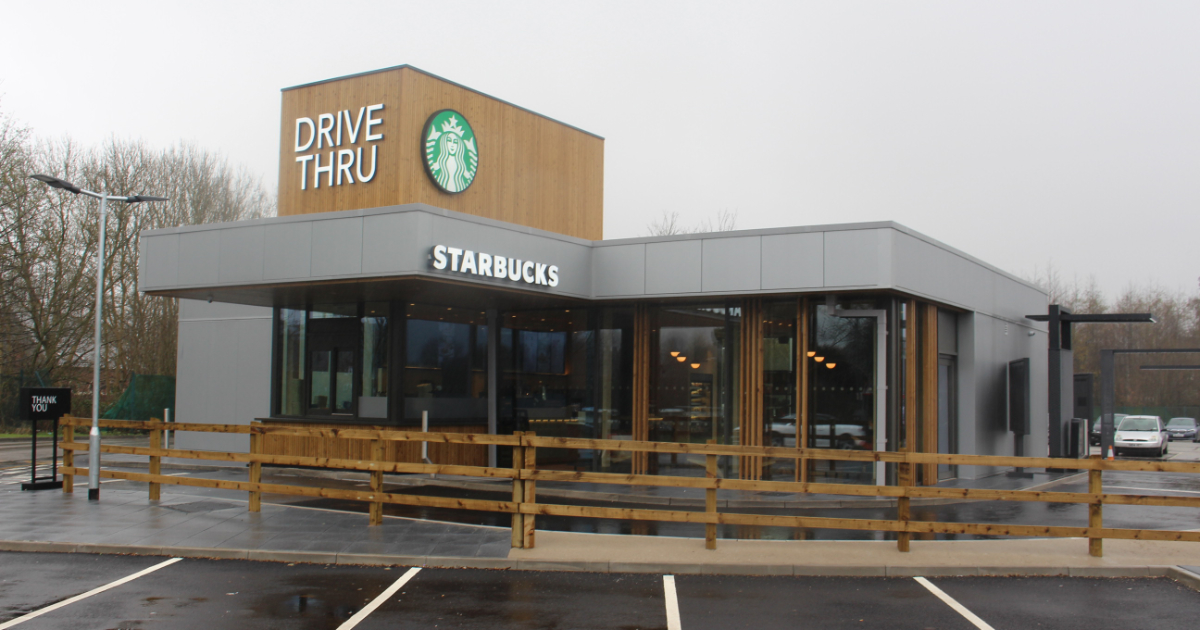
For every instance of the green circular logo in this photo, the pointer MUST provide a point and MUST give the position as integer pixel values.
(451, 157)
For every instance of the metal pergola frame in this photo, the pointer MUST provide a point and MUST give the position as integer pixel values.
(1108, 386)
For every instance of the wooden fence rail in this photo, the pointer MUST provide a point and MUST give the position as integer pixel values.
(524, 474)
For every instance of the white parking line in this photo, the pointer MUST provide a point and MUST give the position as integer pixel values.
(951, 602)
(95, 591)
(378, 601)
(672, 603)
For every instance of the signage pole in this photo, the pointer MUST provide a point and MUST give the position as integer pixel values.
(94, 434)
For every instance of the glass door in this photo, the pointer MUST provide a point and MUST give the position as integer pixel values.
(333, 338)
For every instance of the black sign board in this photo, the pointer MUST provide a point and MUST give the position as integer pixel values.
(45, 403)
(1018, 396)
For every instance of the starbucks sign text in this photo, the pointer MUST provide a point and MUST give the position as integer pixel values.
(494, 266)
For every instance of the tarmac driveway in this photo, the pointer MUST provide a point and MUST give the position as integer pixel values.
(208, 594)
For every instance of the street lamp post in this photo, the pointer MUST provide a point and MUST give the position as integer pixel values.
(94, 434)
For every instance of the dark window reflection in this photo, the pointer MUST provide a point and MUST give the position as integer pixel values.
(445, 371)
(567, 372)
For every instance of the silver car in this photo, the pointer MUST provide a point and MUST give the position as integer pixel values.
(1144, 435)
(1183, 429)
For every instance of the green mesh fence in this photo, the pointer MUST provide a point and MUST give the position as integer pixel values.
(1166, 412)
(145, 398)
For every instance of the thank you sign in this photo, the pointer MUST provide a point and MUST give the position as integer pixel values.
(45, 403)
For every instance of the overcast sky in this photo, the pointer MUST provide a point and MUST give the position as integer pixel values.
(1024, 133)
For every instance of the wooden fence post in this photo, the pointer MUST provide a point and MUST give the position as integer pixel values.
(68, 437)
(518, 491)
(377, 483)
(710, 500)
(256, 448)
(1095, 510)
(155, 460)
(529, 525)
(903, 509)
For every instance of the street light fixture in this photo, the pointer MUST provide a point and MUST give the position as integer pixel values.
(94, 434)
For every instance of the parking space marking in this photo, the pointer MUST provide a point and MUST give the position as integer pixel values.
(672, 600)
(378, 601)
(953, 603)
(95, 591)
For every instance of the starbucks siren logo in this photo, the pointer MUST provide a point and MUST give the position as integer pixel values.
(451, 157)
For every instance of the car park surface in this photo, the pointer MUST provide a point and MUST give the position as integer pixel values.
(206, 594)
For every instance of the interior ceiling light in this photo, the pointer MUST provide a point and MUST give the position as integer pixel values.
(812, 353)
(695, 366)
(819, 359)
(681, 359)
(674, 353)
(831, 365)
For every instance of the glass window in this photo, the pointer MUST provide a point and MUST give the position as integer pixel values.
(373, 400)
(779, 384)
(566, 373)
(842, 391)
(693, 376)
(290, 344)
(443, 374)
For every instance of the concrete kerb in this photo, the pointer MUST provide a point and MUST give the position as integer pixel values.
(1179, 574)
(1185, 577)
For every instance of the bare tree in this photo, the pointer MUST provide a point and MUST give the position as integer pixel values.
(669, 223)
(48, 240)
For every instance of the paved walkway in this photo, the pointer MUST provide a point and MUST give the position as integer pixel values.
(125, 521)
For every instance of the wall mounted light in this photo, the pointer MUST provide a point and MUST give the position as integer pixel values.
(681, 359)
(831, 365)
(674, 353)
(812, 353)
(695, 366)
(819, 359)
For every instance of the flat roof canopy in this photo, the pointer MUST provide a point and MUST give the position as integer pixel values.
(413, 251)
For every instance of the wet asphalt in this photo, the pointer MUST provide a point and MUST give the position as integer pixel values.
(211, 594)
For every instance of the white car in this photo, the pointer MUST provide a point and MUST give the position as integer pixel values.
(844, 436)
(1141, 434)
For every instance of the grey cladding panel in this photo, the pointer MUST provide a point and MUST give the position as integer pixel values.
(390, 243)
(287, 250)
(942, 275)
(852, 258)
(793, 261)
(337, 247)
(242, 254)
(731, 264)
(198, 256)
(619, 270)
(673, 267)
(159, 265)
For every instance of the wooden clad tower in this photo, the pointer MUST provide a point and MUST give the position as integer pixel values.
(340, 151)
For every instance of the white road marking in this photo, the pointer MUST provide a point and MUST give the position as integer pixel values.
(951, 602)
(378, 601)
(672, 603)
(95, 591)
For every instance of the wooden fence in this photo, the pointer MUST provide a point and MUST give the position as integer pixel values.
(524, 474)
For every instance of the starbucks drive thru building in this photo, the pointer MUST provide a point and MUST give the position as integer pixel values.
(440, 251)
